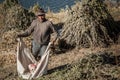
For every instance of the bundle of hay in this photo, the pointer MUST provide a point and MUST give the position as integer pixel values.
(15, 16)
(89, 24)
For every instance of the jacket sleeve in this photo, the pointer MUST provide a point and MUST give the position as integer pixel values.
(53, 30)
(29, 30)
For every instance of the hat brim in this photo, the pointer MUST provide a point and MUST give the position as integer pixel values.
(40, 14)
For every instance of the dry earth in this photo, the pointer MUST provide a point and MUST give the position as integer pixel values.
(8, 60)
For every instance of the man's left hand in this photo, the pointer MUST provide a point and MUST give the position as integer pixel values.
(52, 44)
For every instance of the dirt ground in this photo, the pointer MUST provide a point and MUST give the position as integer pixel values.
(8, 61)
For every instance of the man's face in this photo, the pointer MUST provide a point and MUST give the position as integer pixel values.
(41, 17)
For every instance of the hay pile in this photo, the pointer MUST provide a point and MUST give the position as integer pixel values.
(14, 18)
(88, 24)
(15, 15)
(96, 66)
(8, 41)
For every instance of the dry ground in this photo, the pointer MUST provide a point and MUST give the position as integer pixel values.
(8, 58)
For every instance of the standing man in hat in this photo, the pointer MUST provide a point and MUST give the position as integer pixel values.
(41, 29)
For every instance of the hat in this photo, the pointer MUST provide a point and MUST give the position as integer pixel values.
(40, 12)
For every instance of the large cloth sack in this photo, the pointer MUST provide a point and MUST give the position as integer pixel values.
(25, 59)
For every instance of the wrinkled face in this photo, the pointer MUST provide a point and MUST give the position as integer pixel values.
(41, 17)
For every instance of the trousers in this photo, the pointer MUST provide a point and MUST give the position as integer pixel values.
(38, 49)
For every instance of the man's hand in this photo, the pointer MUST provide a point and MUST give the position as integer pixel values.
(18, 35)
(52, 44)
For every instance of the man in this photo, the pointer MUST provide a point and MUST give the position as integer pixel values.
(41, 29)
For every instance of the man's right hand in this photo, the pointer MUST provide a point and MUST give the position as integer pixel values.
(19, 35)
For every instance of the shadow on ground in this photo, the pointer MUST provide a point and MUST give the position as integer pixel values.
(118, 34)
(110, 59)
(59, 68)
